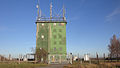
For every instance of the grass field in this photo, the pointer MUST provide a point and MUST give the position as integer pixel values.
(22, 65)
(94, 65)
(74, 65)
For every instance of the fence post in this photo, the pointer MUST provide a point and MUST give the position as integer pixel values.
(97, 58)
(104, 57)
(0, 57)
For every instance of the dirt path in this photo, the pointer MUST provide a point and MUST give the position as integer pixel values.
(54, 66)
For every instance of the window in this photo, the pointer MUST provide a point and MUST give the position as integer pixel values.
(54, 24)
(60, 48)
(60, 30)
(54, 48)
(60, 36)
(54, 30)
(62, 24)
(59, 24)
(55, 36)
(55, 42)
(60, 42)
(42, 24)
(42, 36)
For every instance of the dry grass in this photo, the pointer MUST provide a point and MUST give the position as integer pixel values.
(88, 65)
(22, 65)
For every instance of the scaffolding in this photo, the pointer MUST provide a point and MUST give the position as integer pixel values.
(51, 20)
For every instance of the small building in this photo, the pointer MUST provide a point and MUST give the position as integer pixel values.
(75, 58)
(86, 57)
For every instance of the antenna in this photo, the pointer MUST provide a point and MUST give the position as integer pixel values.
(63, 13)
(51, 10)
(40, 13)
(37, 6)
(39, 10)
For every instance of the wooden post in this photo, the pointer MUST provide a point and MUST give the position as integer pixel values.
(71, 59)
(35, 58)
(0, 57)
(104, 57)
(19, 58)
(78, 61)
(97, 58)
(108, 57)
(49, 60)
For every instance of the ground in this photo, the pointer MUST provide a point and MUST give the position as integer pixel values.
(106, 64)
(53, 66)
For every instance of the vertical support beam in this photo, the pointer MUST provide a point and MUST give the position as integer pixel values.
(49, 38)
(48, 59)
(60, 59)
(37, 34)
(35, 58)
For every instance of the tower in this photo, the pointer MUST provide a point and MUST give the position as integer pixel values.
(51, 36)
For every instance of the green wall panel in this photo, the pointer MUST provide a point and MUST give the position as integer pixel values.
(43, 31)
(54, 41)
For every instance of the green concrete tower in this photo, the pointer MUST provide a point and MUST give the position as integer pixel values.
(51, 37)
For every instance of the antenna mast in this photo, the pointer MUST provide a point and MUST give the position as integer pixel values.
(40, 13)
(51, 10)
(63, 13)
(38, 9)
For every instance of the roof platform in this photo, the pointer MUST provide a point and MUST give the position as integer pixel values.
(51, 20)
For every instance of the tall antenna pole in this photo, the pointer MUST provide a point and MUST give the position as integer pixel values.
(40, 13)
(63, 11)
(51, 10)
(38, 9)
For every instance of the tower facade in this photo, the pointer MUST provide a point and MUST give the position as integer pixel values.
(51, 38)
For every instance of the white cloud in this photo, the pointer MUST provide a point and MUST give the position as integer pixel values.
(113, 14)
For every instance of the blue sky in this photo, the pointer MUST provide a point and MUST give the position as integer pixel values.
(91, 24)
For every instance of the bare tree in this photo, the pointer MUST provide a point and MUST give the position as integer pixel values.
(33, 49)
(41, 54)
(114, 47)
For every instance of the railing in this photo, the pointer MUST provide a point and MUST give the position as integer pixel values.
(53, 19)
